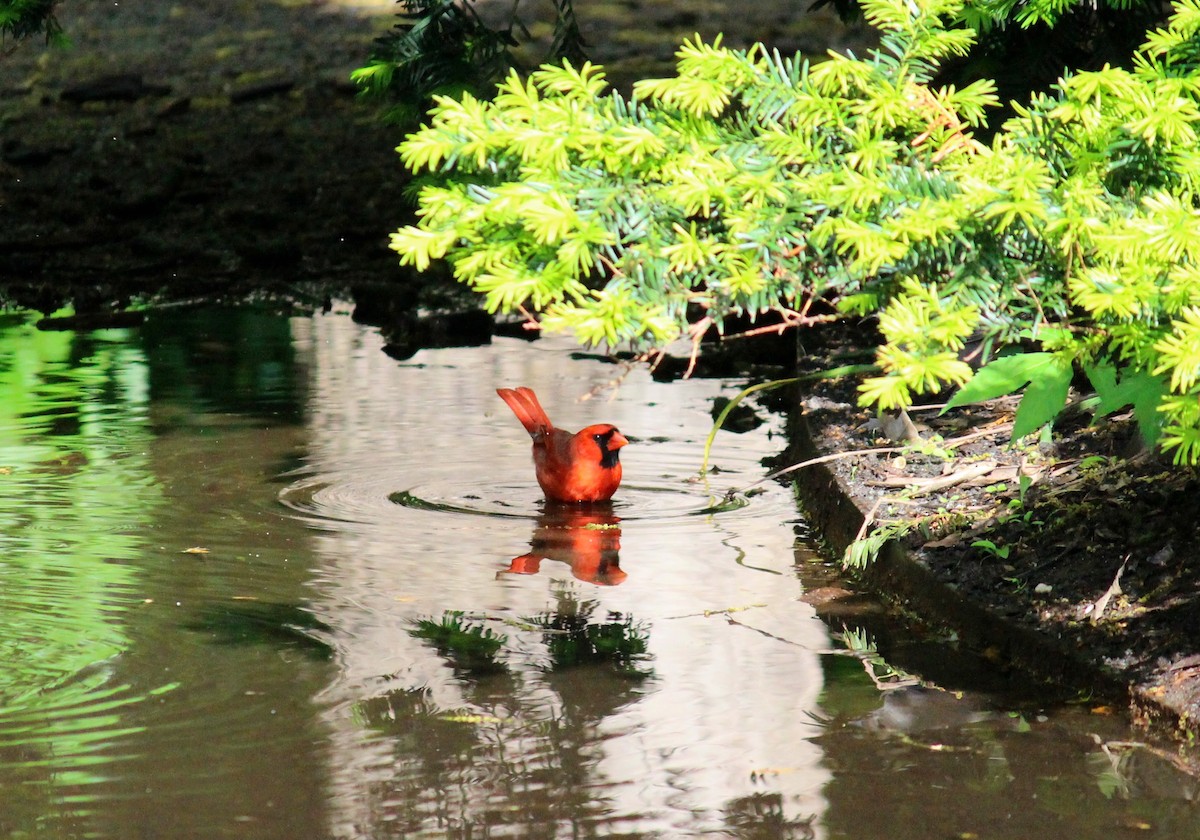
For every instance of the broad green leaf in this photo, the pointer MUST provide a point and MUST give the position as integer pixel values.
(1002, 377)
(1047, 374)
(1044, 398)
(1142, 390)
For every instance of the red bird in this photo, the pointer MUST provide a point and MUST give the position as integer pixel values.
(580, 467)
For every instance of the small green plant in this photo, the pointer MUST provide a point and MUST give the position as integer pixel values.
(1024, 482)
(1018, 583)
(862, 552)
(1016, 512)
(1000, 552)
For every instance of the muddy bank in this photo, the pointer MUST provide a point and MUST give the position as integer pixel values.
(217, 149)
(189, 152)
(1084, 573)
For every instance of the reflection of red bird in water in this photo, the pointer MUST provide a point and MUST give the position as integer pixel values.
(580, 467)
(588, 539)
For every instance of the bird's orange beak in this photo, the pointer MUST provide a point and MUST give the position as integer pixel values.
(617, 440)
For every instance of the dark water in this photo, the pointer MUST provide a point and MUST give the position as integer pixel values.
(258, 580)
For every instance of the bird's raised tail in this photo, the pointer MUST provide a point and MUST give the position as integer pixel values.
(524, 403)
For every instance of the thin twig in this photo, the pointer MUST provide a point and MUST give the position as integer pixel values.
(697, 331)
(531, 323)
(615, 383)
(869, 518)
(881, 450)
(791, 319)
(942, 482)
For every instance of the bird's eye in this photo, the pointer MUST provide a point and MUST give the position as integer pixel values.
(597, 437)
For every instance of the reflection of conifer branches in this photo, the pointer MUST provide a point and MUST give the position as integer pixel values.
(382, 711)
(568, 41)
(469, 647)
(765, 814)
(574, 641)
(257, 622)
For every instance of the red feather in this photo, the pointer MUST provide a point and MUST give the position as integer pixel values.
(580, 467)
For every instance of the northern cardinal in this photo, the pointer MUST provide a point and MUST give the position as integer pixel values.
(587, 539)
(580, 467)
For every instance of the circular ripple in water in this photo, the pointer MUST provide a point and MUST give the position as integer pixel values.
(326, 501)
(634, 502)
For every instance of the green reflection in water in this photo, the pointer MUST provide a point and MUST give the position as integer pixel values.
(76, 501)
(241, 361)
(471, 647)
(527, 717)
(574, 640)
(285, 626)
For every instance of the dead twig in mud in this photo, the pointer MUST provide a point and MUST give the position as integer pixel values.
(869, 519)
(1113, 589)
(953, 443)
(921, 486)
(825, 459)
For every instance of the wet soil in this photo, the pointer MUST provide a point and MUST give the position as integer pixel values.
(176, 152)
(1085, 571)
(216, 149)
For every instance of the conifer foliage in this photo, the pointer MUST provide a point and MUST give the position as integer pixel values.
(27, 18)
(752, 182)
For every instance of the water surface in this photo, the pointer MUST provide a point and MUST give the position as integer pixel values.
(261, 580)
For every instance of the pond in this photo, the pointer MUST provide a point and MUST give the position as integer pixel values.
(260, 580)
